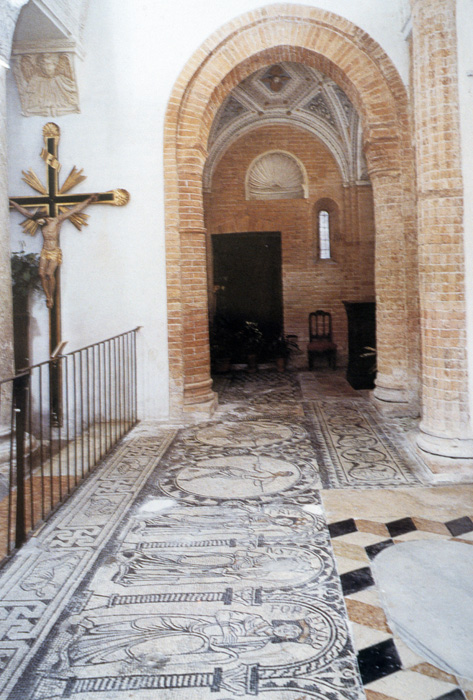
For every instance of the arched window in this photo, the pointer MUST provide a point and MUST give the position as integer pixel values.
(324, 234)
(326, 229)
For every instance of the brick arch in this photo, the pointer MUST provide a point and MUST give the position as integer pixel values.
(357, 63)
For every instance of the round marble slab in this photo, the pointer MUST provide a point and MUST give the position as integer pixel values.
(238, 476)
(428, 598)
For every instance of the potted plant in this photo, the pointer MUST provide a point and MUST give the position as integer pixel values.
(250, 339)
(282, 348)
(25, 279)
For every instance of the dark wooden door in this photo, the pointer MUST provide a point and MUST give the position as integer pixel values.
(248, 280)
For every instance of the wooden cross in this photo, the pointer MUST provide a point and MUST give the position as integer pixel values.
(54, 201)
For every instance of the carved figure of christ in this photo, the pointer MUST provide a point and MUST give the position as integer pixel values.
(51, 255)
(52, 206)
(53, 201)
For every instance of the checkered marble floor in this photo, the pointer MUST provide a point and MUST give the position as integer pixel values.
(390, 670)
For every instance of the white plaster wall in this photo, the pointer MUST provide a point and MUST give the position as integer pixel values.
(113, 275)
(465, 86)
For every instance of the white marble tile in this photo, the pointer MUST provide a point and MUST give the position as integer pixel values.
(365, 636)
(427, 596)
(344, 565)
(362, 539)
(409, 685)
(409, 658)
(419, 535)
(370, 596)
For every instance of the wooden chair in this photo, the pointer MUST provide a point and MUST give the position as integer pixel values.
(320, 338)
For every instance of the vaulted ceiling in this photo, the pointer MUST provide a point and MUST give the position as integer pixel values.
(296, 94)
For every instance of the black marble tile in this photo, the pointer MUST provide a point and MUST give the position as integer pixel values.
(373, 549)
(378, 661)
(456, 694)
(401, 527)
(460, 526)
(357, 580)
(343, 527)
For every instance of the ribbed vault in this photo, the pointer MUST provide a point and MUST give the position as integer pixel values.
(299, 95)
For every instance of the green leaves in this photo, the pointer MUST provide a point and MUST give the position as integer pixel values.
(24, 268)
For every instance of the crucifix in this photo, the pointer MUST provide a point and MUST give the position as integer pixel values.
(55, 206)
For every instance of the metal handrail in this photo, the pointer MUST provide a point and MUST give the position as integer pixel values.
(52, 448)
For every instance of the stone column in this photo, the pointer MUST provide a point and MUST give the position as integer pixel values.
(391, 391)
(9, 10)
(445, 438)
(198, 394)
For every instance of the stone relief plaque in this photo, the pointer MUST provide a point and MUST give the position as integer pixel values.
(46, 83)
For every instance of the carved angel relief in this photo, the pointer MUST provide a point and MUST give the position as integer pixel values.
(47, 84)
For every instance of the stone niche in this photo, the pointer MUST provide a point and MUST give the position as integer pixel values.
(47, 40)
(276, 175)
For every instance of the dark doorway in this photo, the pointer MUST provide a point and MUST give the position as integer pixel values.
(248, 281)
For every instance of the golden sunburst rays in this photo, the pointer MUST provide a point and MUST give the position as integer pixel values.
(78, 220)
(73, 179)
(30, 226)
(33, 181)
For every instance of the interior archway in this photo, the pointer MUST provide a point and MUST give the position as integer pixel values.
(359, 66)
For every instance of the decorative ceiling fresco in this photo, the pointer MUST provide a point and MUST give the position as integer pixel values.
(295, 94)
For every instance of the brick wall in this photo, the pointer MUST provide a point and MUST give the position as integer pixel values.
(308, 282)
(333, 45)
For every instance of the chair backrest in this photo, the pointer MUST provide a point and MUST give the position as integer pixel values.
(320, 325)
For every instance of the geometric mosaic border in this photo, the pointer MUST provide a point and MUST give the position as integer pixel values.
(356, 448)
(37, 585)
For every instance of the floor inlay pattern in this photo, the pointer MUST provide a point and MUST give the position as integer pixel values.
(40, 583)
(356, 448)
(256, 395)
(197, 562)
(389, 668)
(219, 581)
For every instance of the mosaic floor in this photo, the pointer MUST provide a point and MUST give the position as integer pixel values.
(232, 559)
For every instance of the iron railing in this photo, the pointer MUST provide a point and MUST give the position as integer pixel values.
(59, 419)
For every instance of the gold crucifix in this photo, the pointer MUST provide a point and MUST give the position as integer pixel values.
(52, 207)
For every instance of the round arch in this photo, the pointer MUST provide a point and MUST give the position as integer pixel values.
(361, 68)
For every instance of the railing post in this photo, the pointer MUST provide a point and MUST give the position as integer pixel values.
(112, 375)
(20, 398)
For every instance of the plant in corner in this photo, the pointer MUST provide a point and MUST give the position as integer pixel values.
(250, 339)
(25, 279)
(282, 348)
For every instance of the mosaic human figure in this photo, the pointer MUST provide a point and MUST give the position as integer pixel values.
(267, 568)
(225, 636)
(253, 471)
